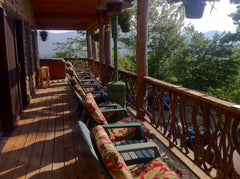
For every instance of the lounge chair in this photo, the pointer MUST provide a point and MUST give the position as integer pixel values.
(112, 165)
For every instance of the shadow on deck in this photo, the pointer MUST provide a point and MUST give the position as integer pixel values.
(45, 143)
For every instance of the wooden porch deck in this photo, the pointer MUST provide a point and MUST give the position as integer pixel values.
(45, 143)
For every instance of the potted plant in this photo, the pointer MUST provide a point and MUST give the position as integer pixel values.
(194, 8)
(43, 35)
(95, 36)
(124, 20)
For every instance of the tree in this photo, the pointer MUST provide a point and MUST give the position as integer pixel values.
(164, 37)
(72, 47)
(165, 23)
(205, 64)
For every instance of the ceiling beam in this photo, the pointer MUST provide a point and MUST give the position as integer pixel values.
(65, 17)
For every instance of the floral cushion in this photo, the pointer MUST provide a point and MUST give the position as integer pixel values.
(89, 89)
(74, 81)
(71, 71)
(69, 64)
(114, 115)
(110, 157)
(121, 134)
(179, 169)
(146, 131)
(94, 109)
(154, 169)
(80, 91)
(74, 74)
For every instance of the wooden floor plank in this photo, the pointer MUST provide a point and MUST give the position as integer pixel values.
(36, 157)
(70, 163)
(46, 164)
(26, 154)
(58, 160)
(46, 142)
(17, 141)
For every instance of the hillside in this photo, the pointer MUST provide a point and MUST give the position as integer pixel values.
(211, 33)
(46, 48)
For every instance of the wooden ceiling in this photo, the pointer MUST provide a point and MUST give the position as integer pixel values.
(65, 14)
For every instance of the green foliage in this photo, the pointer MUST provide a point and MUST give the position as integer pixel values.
(125, 16)
(205, 64)
(165, 37)
(65, 54)
(189, 60)
(95, 36)
(124, 63)
(236, 15)
(124, 19)
(72, 47)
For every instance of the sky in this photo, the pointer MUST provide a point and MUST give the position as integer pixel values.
(215, 19)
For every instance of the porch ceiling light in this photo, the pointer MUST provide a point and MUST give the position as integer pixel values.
(114, 7)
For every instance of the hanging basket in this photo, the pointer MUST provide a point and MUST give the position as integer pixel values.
(194, 9)
(43, 35)
(125, 28)
(124, 20)
(95, 36)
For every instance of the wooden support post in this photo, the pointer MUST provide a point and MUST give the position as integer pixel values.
(141, 52)
(108, 50)
(101, 53)
(89, 45)
(95, 56)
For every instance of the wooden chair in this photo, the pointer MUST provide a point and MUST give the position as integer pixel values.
(110, 162)
(44, 74)
(116, 116)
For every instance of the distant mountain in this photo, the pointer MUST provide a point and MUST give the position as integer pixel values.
(46, 48)
(211, 33)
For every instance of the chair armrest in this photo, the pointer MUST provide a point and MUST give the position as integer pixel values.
(137, 147)
(116, 110)
(89, 85)
(137, 125)
(95, 92)
(87, 80)
(115, 106)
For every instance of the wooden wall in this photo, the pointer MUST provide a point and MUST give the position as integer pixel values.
(18, 59)
(23, 8)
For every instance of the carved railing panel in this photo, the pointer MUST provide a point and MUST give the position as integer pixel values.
(195, 122)
(97, 69)
(82, 61)
(130, 79)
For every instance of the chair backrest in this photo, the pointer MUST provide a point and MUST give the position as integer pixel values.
(85, 133)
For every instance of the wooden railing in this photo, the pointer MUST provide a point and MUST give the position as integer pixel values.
(194, 122)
